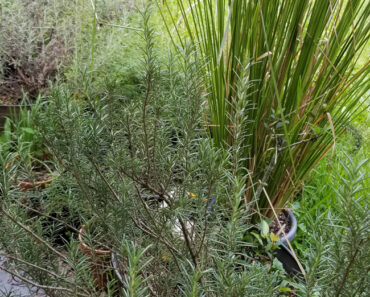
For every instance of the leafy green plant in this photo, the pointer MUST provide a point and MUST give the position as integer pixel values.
(134, 282)
(336, 235)
(26, 137)
(20, 133)
(6, 138)
(28, 160)
(288, 66)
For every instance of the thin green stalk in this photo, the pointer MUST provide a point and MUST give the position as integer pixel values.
(93, 42)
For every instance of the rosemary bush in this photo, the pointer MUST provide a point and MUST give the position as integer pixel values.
(336, 237)
(142, 169)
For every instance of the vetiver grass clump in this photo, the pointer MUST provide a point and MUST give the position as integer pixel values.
(281, 82)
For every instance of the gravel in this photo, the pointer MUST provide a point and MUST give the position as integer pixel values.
(13, 287)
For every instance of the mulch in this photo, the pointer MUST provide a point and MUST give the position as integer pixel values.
(285, 222)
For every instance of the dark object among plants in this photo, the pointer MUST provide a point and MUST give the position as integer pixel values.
(286, 257)
(61, 227)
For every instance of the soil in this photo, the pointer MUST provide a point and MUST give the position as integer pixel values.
(285, 222)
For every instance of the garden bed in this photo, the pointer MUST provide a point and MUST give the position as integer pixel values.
(174, 156)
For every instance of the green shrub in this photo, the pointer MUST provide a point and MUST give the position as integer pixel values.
(336, 236)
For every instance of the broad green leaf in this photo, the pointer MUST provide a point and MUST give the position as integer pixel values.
(28, 130)
(264, 229)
